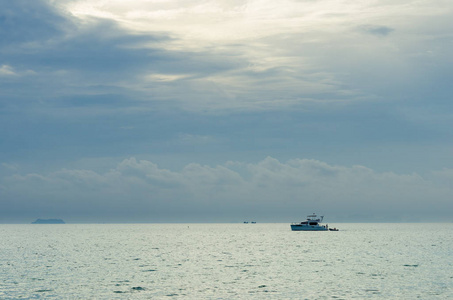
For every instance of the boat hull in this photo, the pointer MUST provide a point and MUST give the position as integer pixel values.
(308, 228)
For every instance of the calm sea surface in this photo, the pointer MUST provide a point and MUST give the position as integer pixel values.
(226, 261)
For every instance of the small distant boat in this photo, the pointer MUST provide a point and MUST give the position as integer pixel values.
(253, 222)
(313, 223)
(246, 222)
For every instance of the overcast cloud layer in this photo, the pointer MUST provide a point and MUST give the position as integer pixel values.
(269, 191)
(142, 111)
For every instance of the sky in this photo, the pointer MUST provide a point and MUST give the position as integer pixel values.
(225, 111)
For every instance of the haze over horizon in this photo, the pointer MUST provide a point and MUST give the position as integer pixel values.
(226, 111)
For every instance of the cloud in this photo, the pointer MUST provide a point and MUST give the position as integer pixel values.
(138, 190)
(216, 56)
(10, 166)
(28, 22)
(257, 55)
(6, 70)
(190, 139)
(165, 77)
(377, 30)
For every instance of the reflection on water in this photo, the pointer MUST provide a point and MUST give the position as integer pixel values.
(226, 261)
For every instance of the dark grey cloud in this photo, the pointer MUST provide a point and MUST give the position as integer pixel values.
(28, 21)
(59, 63)
(98, 50)
(70, 60)
(377, 30)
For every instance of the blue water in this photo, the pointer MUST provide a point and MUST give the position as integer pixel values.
(226, 261)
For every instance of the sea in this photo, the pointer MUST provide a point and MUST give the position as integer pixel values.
(226, 261)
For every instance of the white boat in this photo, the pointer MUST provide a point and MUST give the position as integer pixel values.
(313, 223)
